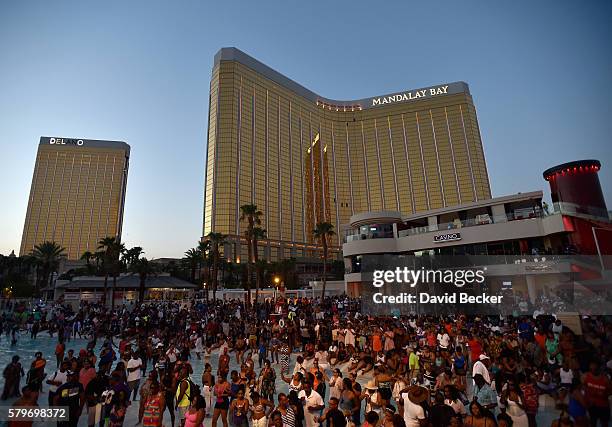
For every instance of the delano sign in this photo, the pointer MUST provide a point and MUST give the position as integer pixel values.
(66, 141)
(410, 96)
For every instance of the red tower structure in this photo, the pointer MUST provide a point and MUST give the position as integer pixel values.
(576, 194)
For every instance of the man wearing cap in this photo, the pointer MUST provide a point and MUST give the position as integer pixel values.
(71, 394)
(481, 367)
(411, 399)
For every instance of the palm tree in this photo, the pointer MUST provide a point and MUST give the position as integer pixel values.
(261, 269)
(229, 274)
(215, 240)
(47, 256)
(252, 215)
(258, 234)
(87, 257)
(204, 247)
(322, 232)
(99, 257)
(287, 269)
(112, 250)
(117, 249)
(144, 268)
(131, 255)
(104, 246)
(193, 259)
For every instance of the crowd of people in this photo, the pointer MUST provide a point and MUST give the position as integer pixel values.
(304, 363)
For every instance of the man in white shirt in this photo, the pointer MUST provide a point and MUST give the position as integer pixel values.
(199, 346)
(56, 380)
(480, 367)
(134, 366)
(414, 414)
(171, 355)
(443, 340)
(313, 404)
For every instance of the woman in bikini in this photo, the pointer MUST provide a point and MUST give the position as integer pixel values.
(221, 392)
(258, 410)
(239, 409)
(295, 382)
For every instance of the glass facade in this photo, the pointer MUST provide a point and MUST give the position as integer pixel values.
(77, 194)
(303, 159)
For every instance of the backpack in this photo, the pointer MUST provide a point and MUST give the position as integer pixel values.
(194, 389)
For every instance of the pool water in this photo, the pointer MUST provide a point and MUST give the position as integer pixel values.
(27, 347)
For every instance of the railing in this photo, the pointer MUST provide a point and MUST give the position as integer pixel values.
(357, 235)
(578, 210)
(472, 222)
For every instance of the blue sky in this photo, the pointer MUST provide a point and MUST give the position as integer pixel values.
(540, 74)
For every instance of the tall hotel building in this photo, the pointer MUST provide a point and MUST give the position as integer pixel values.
(303, 159)
(77, 194)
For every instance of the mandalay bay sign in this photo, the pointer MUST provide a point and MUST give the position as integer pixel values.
(412, 95)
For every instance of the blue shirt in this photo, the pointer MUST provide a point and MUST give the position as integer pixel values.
(486, 395)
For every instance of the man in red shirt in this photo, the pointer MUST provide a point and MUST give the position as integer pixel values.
(475, 348)
(597, 392)
(540, 337)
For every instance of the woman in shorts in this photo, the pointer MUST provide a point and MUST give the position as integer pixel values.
(221, 392)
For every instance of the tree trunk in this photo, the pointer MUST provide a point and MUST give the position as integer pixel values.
(37, 282)
(257, 275)
(141, 290)
(50, 282)
(113, 292)
(257, 281)
(105, 290)
(215, 272)
(324, 268)
(249, 271)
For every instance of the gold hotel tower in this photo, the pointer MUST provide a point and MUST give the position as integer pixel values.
(77, 194)
(303, 159)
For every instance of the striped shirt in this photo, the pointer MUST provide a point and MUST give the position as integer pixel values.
(288, 417)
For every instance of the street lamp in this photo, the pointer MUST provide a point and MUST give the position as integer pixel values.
(276, 283)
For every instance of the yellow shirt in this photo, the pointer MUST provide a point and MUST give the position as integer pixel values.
(185, 400)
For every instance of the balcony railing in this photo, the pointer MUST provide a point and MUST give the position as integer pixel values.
(354, 235)
(472, 222)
